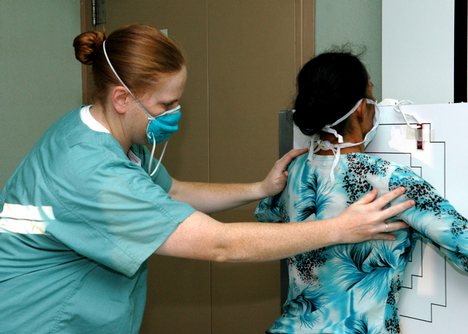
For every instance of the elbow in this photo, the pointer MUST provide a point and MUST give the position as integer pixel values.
(220, 257)
(226, 254)
(232, 250)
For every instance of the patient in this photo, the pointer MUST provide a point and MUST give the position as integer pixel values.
(351, 288)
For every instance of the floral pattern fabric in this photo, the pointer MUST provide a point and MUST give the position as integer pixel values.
(354, 288)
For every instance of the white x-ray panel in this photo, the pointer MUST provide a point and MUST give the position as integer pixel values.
(434, 297)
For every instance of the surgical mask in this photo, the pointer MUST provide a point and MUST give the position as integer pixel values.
(163, 126)
(159, 128)
(369, 137)
(317, 144)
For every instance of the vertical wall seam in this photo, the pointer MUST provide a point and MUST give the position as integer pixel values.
(208, 111)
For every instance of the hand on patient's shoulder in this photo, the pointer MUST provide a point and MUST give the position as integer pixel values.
(277, 178)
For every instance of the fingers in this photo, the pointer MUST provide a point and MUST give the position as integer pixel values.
(384, 236)
(294, 153)
(387, 229)
(394, 226)
(286, 159)
(396, 209)
(368, 198)
(276, 179)
(389, 197)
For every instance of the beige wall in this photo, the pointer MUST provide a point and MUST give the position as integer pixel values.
(243, 56)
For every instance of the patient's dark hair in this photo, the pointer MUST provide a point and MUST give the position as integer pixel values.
(328, 86)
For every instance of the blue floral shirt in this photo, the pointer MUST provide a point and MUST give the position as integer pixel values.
(353, 288)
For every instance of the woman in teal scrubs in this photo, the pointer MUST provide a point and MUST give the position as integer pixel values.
(89, 204)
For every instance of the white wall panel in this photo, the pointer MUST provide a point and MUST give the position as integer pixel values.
(418, 50)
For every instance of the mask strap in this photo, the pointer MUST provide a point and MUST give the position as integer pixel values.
(170, 111)
(317, 144)
(341, 119)
(142, 107)
(398, 110)
(152, 155)
(328, 128)
(336, 149)
(114, 71)
(325, 145)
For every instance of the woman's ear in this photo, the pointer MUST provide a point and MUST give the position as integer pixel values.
(361, 110)
(120, 99)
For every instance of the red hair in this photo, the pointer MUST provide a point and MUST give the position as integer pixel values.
(140, 54)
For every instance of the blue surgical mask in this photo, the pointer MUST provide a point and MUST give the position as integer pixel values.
(161, 127)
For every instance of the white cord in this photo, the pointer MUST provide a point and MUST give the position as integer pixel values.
(398, 110)
(160, 157)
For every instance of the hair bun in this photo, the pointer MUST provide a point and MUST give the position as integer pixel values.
(86, 46)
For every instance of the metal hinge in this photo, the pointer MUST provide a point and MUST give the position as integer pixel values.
(99, 12)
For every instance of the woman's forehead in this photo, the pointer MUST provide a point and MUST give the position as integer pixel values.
(169, 87)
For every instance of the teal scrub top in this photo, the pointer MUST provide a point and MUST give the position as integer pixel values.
(78, 221)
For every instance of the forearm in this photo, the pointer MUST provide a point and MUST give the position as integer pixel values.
(208, 197)
(434, 217)
(213, 197)
(445, 228)
(254, 242)
(201, 237)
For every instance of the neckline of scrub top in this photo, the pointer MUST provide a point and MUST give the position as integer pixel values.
(90, 121)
